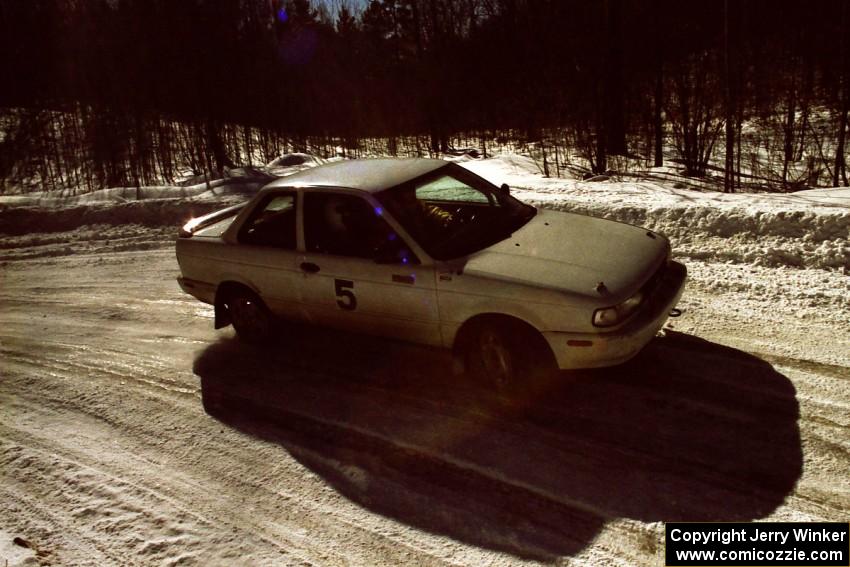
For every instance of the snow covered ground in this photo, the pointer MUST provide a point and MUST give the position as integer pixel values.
(375, 456)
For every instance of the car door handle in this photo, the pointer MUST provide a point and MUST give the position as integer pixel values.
(309, 267)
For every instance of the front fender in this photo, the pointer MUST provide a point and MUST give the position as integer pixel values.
(461, 316)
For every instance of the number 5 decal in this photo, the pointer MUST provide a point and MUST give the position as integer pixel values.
(345, 295)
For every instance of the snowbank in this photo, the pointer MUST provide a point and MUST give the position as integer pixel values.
(244, 181)
(807, 229)
(811, 239)
(215, 189)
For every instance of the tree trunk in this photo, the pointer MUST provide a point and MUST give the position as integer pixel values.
(615, 122)
(658, 124)
(215, 146)
(729, 102)
(839, 171)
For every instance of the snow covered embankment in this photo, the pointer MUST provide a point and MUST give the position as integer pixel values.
(38, 225)
(779, 255)
(804, 239)
(806, 229)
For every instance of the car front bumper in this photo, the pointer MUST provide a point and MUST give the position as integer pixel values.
(595, 350)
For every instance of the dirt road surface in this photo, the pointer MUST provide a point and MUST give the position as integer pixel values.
(328, 449)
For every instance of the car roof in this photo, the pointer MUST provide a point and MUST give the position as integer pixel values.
(370, 175)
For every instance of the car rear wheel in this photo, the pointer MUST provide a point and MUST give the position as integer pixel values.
(250, 317)
(213, 401)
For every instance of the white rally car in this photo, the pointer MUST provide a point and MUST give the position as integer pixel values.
(426, 251)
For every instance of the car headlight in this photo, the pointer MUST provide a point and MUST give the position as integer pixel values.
(609, 316)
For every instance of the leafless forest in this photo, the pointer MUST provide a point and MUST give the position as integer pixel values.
(138, 92)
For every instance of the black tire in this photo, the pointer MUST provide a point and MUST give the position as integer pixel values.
(213, 401)
(507, 357)
(250, 317)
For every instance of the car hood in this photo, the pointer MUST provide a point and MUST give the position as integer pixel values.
(573, 253)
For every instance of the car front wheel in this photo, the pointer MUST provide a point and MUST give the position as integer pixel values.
(507, 358)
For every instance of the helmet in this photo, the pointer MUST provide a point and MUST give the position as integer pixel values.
(336, 210)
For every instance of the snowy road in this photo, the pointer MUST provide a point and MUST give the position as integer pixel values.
(338, 450)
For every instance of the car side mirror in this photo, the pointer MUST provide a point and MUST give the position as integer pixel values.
(504, 189)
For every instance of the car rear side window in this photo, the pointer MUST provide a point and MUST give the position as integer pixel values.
(272, 223)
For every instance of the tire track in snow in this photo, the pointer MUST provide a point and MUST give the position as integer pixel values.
(189, 494)
(312, 490)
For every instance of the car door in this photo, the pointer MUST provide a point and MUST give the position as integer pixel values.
(267, 253)
(358, 274)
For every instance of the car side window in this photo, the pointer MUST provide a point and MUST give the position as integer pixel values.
(272, 223)
(347, 225)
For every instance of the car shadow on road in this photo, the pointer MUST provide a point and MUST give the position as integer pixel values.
(688, 431)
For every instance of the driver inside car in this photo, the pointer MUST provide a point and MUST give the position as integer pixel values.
(425, 220)
(353, 228)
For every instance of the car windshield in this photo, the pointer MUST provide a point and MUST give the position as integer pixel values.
(452, 212)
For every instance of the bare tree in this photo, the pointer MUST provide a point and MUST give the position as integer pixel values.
(839, 172)
(694, 114)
